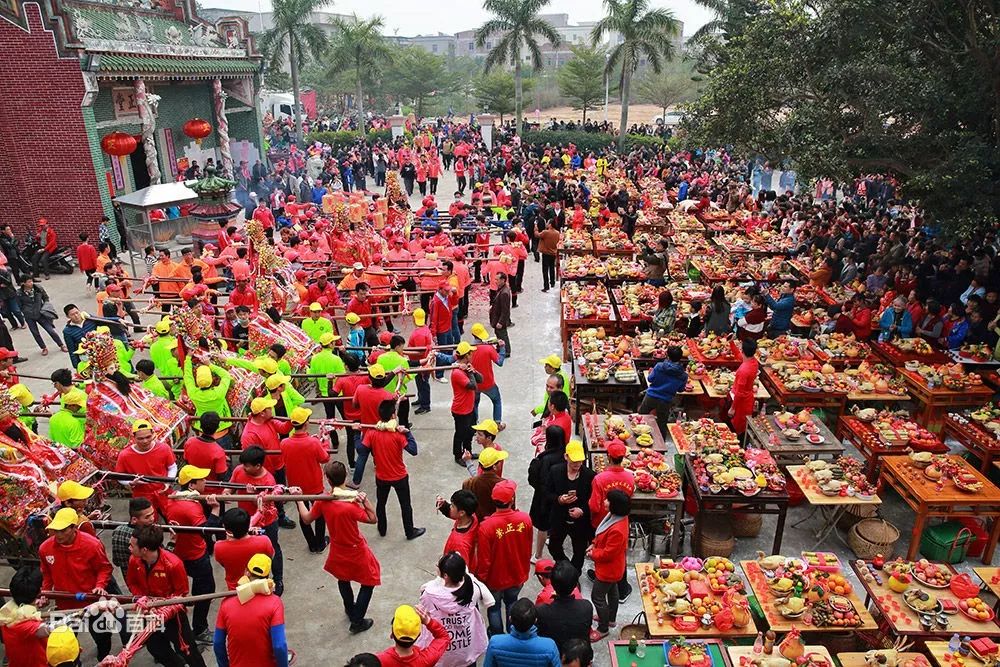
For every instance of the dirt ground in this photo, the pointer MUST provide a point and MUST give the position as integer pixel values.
(637, 113)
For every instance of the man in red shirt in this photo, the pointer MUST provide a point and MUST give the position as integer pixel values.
(304, 456)
(75, 562)
(465, 529)
(86, 259)
(203, 451)
(464, 381)
(147, 457)
(484, 356)
(244, 295)
(503, 552)
(251, 633)
(362, 306)
(191, 546)
(387, 441)
(252, 471)
(234, 552)
(346, 386)
(367, 399)
(264, 431)
(322, 288)
(614, 476)
(155, 572)
(442, 305)
(421, 340)
(407, 624)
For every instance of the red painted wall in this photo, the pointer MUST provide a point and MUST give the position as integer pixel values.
(46, 169)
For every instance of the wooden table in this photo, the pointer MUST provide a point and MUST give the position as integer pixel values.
(924, 498)
(737, 652)
(611, 390)
(765, 502)
(828, 401)
(987, 574)
(971, 435)
(831, 508)
(898, 358)
(938, 650)
(904, 621)
(790, 452)
(568, 324)
(866, 440)
(778, 623)
(656, 653)
(934, 402)
(666, 629)
(593, 432)
(855, 659)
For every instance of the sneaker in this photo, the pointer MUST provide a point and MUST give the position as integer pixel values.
(421, 410)
(352, 485)
(291, 657)
(597, 635)
(361, 626)
(285, 522)
(417, 532)
(203, 637)
(460, 462)
(622, 596)
(442, 380)
(592, 576)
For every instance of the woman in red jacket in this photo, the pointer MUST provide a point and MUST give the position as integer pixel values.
(608, 554)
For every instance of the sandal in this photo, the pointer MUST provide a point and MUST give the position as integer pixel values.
(45, 351)
(597, 635)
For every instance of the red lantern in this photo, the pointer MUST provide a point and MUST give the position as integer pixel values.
(197, 129)
(118, 144)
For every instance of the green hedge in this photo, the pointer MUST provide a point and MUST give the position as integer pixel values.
(589, 141)
(343, 138)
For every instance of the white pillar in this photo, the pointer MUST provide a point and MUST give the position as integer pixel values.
(486, 127)
(397, 122)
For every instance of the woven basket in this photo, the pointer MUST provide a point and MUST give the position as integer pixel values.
(870, 537)
(747, 525)
(854, 513)
(714, 539)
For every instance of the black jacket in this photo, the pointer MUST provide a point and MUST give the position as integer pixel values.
(558, 483)
(564, 619)
(538, 471)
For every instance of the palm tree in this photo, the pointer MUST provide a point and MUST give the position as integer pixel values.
(518, 26)
(296, 35)
(361, 47)
(643, 32)
(731, 20)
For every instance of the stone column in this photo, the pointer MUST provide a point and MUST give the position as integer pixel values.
(396, 122)
(486, 128)
(148, 104)
(219, 102)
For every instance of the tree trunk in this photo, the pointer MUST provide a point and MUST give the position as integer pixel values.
(584, 114)
(626, 80)
(518, 92)
(420, 107)
(360, 103)
(293, 65)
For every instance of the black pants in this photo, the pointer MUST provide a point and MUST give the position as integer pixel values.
(579, 535)
(408, 185)
(402, 487)
(315, 534)
(40, 262)
(422, 187)
(460, 180)
(403, 412)
(425, 301)
(462, 442)
(446, 160)
(662, 409)
(356, 608)
(97, 627)
(90, 277)
(501, 333)
(165, 645)
(202, 581)
(433, 185)
(330, 408)
(379, 178)
(548, 271)
(534, 248)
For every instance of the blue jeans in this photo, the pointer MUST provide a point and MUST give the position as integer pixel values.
(456, 331)
(444, 339)
(507, 596)
(361, 459)
(423, 387)
(12, 311)
(494, 394)
(278, 562)
(202, 581)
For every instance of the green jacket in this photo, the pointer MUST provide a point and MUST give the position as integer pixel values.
(155, 385)
(327, 363)
(390, 361)
(125, 355)
(315, 329)
(291, 398)
(211, 398)
(163, 357)
(540, 409)
(66, 428)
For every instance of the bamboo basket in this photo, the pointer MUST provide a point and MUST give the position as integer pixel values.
(870, 537)
(747, 525)
(715, 539)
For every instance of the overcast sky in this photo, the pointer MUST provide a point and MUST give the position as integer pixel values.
(449, 16)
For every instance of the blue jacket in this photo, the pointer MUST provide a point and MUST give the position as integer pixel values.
(521, 649)
(73, 335)
(887, 318)
(957, 334)
(666, 379)
(781, 311)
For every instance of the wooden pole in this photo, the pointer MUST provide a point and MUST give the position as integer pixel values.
(166, 527)
(151, 604)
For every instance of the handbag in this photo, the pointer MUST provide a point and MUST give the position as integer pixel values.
(48, 311)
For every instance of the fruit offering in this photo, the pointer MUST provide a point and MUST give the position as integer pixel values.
(917, 346)
(877, 378)
(931, 574)
(841, 346)
(612, 239)
(715, 348)
(975, 609)
(951, 376)
(586, 301)
(976, 352)
(693, 436)
(822, 560)
(785, 348)
(576, 239)
(638, 301)
(722, 574)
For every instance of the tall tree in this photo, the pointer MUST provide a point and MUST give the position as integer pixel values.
(643, 32)
(517, 26)
(672, 85)
(495, 92)
(416, 74)
(731, 20)
(360, 46)
(582, 78)
(296, 37)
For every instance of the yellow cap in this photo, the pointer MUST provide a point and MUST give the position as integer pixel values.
(141, 425)
(64, 518)
(553, 360)
(190, 472)
(490, 456)
(352, 318)
(419, 317)
(266, 364)
(574, 451)
(258, 405)
(80, 350)
(276, 381)
(376, 371)
(62, 646)
(70, 490)
(203, 377)
(328, 338)
(259, 565)
(479, 331)
(21, 394)
(75, 397)
(463, 348)
(406, 623)
(163, 326)
(315, 307)
(103, 330)
(487, 425)
(300, 415)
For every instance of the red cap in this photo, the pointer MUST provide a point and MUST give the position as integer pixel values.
(7, 354)
(385, 337)
(544, 566)
(503, 492)
(301, 274)
(42, 221)
(113, 287)
(319, 273)
(617, 450)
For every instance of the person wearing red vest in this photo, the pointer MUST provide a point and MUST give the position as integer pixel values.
(608, 553)
(503, 552)
(157, 573)
(387, 442)
(367, 399)
(615, 476)
(484, 356)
